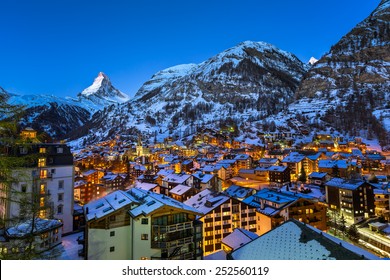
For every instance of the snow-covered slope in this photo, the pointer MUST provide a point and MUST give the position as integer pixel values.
(60, 116)
(247, 82)
(51, 114)
(352, 81)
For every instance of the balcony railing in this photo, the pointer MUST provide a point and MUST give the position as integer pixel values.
(172, 244)
(347, 200)
(172, 228)
(186, 256)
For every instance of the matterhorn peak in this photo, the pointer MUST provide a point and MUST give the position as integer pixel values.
(102, 93)
(312, 60)
(99, 81)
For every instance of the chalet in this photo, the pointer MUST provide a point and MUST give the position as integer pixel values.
(267, 162)
(318, 178)
(141, 225)
(237, 239)
(172, 180)
(295, 163)
(279, 175)
(276, 207)
(204, 181)
(182, 192)
(238, 192)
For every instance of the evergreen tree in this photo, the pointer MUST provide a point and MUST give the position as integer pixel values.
(29, 202)
(342, 224)
(335, 171)
(353, 233)
(302, 176)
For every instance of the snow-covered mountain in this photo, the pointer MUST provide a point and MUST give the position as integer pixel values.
(100, 94)
(349, 88)
(312, 60)
(59, 116)
(247, 82)
(51, 114)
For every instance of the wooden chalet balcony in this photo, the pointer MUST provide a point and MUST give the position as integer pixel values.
(172, 244)
(172, 228)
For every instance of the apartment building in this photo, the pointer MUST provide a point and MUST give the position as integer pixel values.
(352, 198)
(139, 225)
(221, 214)
(45, 180)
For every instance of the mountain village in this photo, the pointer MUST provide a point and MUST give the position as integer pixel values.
(208, 197)
(249, 155)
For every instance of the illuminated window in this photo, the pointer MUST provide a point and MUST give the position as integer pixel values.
(42, 188)
(43, 173)
(41, 162)
(144, 236)
(42, 150)
(42, 202)
(42, 214)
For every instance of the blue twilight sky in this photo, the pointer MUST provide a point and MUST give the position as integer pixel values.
(58, 47)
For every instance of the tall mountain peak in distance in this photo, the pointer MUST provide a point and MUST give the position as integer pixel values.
(249, 81)
(101, 93)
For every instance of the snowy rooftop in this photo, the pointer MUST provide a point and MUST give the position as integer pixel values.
(315, 156)
(165, 173)
(294, 157)
(153, 201)
(180, 189)
(218, 255)
(205, 178)
(208, 168)
(344, 184)
(40, 225)
(326, 163)
(207, 200)
(276, 197)
(79, 183)
(276, 168)
(268, 160)
(294, 240)
(238, 192)
(242, 157)
(89, 172)
(145, 186)
(107, 204)
(238, 238)
(177, 178)
(317, 175)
